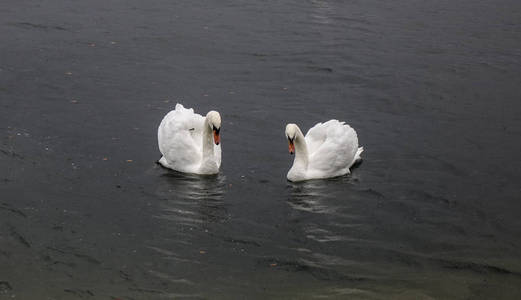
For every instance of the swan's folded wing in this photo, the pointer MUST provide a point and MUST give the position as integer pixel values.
(315, 137)
(177, 135)
(318, 134)
(338, 149)
(182, 150)
(183, 118)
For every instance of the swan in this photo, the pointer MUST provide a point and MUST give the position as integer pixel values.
(328, 150)
(186, 141)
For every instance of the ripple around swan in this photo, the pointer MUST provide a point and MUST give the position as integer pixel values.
(189, 208)
(315, 196)
(191, 199)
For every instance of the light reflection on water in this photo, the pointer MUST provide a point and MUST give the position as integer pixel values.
(189, 208)
(189, 199)
(321, 12)
(327, 225)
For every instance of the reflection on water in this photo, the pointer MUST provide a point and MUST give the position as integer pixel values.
(344, 241)
(321, 11)
(312, 196)
(322, 211)
(189, 208)
(189, 199)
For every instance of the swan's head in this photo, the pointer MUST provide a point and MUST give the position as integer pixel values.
(214, 121)
(291, 134)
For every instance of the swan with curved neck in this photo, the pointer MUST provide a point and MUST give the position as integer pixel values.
(211, 135)
(189, 142)
(328, 150)
(297, 146)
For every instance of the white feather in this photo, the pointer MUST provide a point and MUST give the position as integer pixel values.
(332, 148)
(180, 139)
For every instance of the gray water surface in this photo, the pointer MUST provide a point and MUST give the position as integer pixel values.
(431, 87)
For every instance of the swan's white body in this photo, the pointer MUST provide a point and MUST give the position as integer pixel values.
(186, 142)
(328, 150)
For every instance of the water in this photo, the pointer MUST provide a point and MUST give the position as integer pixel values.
(432, 88)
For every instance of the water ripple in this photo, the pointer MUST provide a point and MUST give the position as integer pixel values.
(192, 199)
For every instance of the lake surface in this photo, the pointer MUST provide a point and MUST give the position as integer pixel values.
(433, 89)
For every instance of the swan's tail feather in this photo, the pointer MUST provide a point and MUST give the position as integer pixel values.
(180, 108)
(163, 162)
(358, 153)
(358, 159)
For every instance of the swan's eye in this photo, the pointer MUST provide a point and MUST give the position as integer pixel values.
(216, 130)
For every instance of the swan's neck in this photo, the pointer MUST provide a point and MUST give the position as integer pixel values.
(207, 140)
(301, 151)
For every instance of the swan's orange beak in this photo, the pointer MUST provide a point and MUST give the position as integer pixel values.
(291, 147)
(216, 137)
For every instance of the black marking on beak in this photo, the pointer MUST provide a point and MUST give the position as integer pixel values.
(216, 135)
(291, 145)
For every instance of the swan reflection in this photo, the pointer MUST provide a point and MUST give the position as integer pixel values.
(328, 200)
(311, 196)
(192, 199)
(321, 11)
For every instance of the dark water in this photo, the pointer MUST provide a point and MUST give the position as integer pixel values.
(432, 88)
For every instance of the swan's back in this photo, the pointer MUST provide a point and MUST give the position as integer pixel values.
(332, 148)
(179, 136)
(183, 119)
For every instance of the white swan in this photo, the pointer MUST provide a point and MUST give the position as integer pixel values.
(186, 140)
(328, 150)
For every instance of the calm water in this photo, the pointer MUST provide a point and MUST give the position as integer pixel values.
(432, 88)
